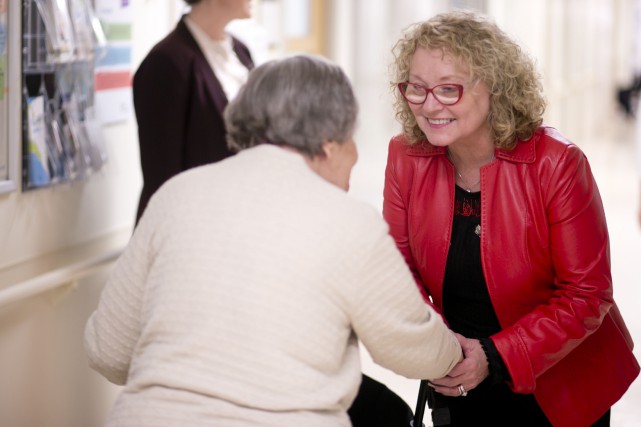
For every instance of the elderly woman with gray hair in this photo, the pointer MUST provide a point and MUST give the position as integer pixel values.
(244, 291)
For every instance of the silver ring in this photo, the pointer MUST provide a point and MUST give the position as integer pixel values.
(462, 391)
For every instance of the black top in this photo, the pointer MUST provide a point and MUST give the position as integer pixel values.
(466, 301)
(468, 310)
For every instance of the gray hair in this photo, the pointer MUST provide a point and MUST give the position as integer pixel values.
(300, 102)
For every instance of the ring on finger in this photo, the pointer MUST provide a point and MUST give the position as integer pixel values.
(462, 391)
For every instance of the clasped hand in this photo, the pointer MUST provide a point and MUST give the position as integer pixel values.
(468, 373)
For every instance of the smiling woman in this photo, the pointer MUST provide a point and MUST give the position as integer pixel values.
(476, 183)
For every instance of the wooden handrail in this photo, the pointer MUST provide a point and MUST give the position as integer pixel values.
(56, 269)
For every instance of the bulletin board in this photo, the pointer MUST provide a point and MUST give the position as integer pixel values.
(61, 138)
(9, 90)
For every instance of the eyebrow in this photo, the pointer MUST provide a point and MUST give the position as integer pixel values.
(445, 79)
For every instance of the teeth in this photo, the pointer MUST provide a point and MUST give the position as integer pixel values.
(439, 121)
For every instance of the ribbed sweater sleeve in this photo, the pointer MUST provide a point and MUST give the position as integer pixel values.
(400, 331)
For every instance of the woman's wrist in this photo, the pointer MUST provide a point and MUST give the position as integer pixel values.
(498, 370)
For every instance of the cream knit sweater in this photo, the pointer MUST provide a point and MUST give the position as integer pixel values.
(240, 297)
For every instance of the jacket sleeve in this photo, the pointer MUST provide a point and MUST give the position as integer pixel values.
(161, 92)
(395, 212)
(399, 330)
(582, 289)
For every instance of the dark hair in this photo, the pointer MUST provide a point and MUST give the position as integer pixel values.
(190, 2)
(301, 102)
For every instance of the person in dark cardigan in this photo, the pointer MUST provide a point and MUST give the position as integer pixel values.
(181, 89)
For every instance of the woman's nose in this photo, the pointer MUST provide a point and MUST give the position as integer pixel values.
(431, 103)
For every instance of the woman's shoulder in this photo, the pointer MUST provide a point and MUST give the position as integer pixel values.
(178, 47)
(401, 145)
(546, 143)
(553, 144)
(549, 154)
(552, 138)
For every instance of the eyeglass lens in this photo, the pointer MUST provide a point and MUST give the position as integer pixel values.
(445, 94)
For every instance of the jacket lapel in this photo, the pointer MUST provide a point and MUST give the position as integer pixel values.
(242, 53)
(201, 68)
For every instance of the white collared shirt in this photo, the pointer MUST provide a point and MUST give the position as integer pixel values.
(221, 57)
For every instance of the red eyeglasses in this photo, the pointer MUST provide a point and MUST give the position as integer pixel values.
(446, 94)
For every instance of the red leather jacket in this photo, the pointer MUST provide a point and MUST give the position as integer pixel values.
(546, 259)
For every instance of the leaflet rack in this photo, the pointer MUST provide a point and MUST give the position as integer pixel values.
(62, 140)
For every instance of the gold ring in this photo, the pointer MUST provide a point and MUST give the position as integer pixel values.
(462, 391)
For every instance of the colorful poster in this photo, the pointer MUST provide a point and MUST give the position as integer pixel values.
(3, 47)
(4, 107)
(114, 67)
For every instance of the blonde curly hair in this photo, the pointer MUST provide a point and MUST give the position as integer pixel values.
(491, 56)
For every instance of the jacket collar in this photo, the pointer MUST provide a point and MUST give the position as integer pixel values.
(202, 67)
(216, 92)
(523, 152)
(240, 49)
(242, 53)
(183, 33)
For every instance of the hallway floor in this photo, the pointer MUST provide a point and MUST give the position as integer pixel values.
(614, 165)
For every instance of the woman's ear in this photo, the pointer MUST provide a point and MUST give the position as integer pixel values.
(329, 148)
